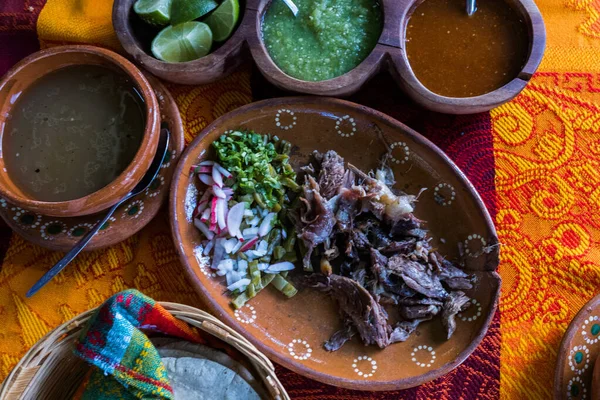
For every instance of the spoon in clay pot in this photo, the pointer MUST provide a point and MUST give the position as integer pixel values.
(292, 7)
(471, 7)
(161, 151)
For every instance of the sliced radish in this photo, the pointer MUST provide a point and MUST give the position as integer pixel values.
(205, 215)
(206, 179)
(203, 228)
(267, 224)
(223, 171)
(218, 192)
(249, 244)
(234, 219)
(217, 177)
(280, 267)
(199, 169)
(203, 203)
(222, 214)
(228, 191)
(207, 163)
(242, 283)
(213, 214)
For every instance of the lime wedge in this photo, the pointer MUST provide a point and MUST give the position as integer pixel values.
(223, 20)
(189, 10)
(183, 42)
(153, 12)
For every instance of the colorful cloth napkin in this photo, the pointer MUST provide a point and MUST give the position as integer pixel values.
(535, 161)
(128, 365)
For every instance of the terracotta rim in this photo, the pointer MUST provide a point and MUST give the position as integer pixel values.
(485, 101)
(354, 78)
(276, 356)
(121, 13)
(563, 351)
(126, 181)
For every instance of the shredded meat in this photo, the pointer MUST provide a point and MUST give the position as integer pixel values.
(377, 253)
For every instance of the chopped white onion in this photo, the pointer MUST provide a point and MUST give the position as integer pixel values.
(209, 247)
(232, 277)
(248, 213)
(262, 266)
(218, 254)
(280, 267)
(205, 215)
(254, 221)
(242, 266)
(250, 232)
(229, 245)
(241, 284)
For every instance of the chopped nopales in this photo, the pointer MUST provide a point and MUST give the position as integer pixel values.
(239, 284)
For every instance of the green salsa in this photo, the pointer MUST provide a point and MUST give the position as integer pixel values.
(326, 39)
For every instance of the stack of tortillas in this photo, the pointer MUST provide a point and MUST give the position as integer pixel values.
(201, 373)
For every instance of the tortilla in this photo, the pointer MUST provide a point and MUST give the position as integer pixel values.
(202, 379)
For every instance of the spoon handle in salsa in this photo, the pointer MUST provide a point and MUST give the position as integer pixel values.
(157, 162)
(471, 7)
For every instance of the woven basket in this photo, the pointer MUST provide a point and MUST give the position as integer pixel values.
(50, 370)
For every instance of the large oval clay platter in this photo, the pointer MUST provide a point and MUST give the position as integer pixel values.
(292, 331)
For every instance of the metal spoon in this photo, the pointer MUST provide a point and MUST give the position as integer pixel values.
(292, 7)
(471, 7)
(161, 151)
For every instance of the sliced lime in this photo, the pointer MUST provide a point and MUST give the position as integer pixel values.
(189, 10)
(153, 12)
(223, 20)
(183, 42)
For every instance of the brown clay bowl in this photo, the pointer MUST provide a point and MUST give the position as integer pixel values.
(22, 75)
(388, 53)
(405, 77)
(292, 331)
(133, 35)
(577, 373)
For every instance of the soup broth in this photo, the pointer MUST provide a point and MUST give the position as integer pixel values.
(456, 55)
(72, 132)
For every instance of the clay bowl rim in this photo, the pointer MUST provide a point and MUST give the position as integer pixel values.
(110, 194)
(490, 268)
(343, 84)
(419, 93)
(121, 12)
(563, 352)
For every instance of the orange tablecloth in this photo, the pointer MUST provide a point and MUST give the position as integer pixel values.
(546, 145)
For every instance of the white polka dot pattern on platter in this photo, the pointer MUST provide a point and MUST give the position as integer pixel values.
(52, 229)
(154, 189)
(245, 317)
(473, 315)
(3, 203)
(364, 366)
(343, 132)
(168, 163)
(579, 359)
(108, 223)
(281, 114)
(591, 330)
(582, 391)
(399, 159)
(299, 349)
(444, 194)
(419, 361)
(470, 238)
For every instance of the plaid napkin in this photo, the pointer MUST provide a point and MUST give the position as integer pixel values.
(128, 365)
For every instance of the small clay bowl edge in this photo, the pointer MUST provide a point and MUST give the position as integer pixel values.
(209, 68)
(126, 181)
(402, 72)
